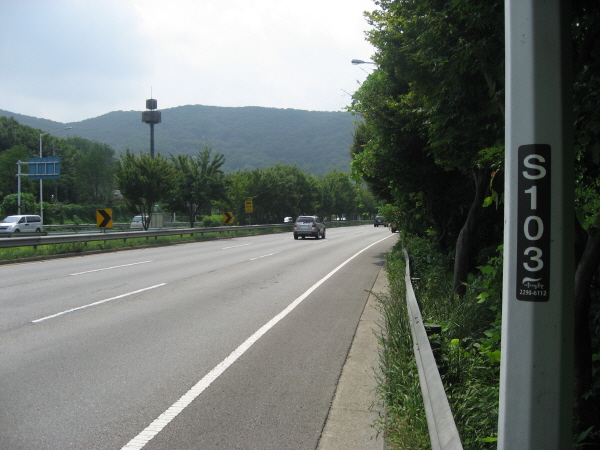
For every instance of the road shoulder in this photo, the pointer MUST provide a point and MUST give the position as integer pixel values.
(353, 413)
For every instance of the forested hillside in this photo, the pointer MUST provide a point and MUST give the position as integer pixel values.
(249, 137)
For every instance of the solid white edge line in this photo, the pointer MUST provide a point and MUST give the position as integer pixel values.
(109, 268)
(138, 442)
(96, 303)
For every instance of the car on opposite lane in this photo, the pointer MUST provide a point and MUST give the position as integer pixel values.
(21, 223)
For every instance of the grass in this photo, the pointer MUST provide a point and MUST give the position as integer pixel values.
(468, 357)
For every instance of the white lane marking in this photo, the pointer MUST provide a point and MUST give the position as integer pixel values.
(264, 256)
(97, 303)
(109, 268)
(138, 442)
(235, 246)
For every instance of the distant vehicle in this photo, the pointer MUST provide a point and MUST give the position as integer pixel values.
(21, 223)
(394, 227)
(379, 220)
(309, 226)
(287, 220)
(137, 222)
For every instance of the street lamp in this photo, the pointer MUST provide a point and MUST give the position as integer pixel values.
(356, 62)
(41, 201)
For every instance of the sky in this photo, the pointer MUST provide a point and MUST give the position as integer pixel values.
(71, 60)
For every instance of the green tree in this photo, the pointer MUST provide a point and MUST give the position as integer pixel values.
(94, 170)
(586, 89)
(445, 61)
(340, 194)
(144, 181)
(8, 171)
(199, 181)
(9, 205)
(238, 188)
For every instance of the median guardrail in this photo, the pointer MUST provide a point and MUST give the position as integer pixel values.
(443, 433)
(33, 240)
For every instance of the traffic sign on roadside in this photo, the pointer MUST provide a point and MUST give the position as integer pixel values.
(104, 218)
(249, 206)
(228, 217)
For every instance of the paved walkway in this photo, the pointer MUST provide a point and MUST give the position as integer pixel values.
(352, 414)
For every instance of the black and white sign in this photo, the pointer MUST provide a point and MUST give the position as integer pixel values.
(533, 222)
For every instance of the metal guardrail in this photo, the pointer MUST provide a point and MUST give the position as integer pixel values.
(33, 240)
(443, 433)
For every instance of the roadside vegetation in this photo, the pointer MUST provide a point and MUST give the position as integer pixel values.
(188, 186)
(430, 143)
(467, 351)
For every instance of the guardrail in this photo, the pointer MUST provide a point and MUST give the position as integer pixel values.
(443, 433)
(33, 240)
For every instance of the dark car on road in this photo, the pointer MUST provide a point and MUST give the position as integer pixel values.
(379, 220)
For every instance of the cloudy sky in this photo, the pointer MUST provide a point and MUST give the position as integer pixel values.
(70, 60)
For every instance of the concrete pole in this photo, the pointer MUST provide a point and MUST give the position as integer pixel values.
(151, 140)
(536, 372)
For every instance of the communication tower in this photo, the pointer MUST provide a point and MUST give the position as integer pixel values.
(151, 117)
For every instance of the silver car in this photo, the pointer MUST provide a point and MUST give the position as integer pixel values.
(18, 224)
(309, 226)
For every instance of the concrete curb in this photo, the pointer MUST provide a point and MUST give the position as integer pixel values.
(353, 412)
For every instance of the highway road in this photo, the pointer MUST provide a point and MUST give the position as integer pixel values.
(229, 344)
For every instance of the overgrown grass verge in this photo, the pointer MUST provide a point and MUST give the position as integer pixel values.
(403, 421)
(468, 356)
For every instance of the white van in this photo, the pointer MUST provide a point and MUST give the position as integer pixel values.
(137, 222)
(21, 224)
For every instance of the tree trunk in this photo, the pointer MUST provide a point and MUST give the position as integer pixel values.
(463, 243)
(588, 260)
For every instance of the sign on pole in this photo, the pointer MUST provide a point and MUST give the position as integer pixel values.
(44, 168)
(228, 217)
(104, 218)
(249, 206)
(536, 369)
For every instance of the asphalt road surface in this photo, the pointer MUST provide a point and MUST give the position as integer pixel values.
(228, 344)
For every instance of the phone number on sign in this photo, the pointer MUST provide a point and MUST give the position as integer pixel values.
(535, 293)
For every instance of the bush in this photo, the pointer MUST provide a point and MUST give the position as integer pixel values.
(469, 346)
(212, 221)
(9, 205)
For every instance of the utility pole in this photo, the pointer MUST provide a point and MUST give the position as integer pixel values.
(536, 370)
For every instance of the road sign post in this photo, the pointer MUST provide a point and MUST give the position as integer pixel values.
(536, 371)
(228, 218)
(104, 218)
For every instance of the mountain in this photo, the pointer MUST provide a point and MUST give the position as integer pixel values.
(249, 137)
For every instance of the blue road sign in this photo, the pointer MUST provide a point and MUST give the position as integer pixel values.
(44, 168)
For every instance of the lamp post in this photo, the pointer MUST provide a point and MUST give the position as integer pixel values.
(356, 62)
(41, 201)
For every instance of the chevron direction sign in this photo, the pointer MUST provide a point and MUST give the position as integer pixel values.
(228, 217)
(104, 218)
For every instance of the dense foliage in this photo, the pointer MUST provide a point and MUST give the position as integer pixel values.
(467, 350)
(190, 186)
(430, 143)
(248, 137)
